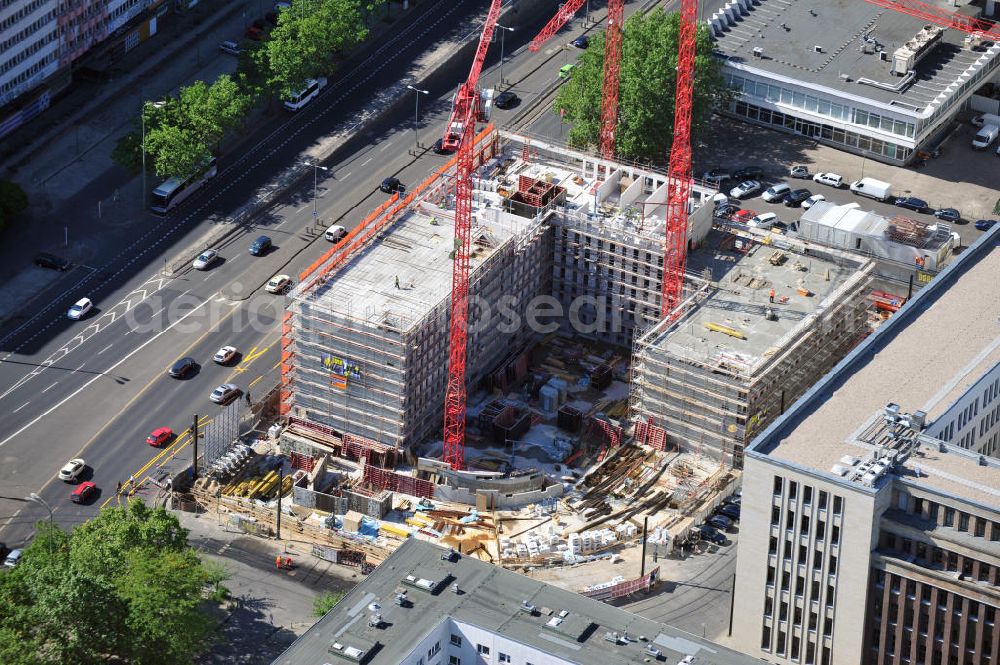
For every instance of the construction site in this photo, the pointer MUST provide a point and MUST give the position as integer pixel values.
(585, 425)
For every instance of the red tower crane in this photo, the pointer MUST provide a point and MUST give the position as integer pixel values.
(460, 134)
(612, 59)
(942, 17)
(679, 172)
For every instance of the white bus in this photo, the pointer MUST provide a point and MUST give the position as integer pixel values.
(302, 97)
(174, 190)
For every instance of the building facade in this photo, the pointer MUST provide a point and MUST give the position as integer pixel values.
(866, 536)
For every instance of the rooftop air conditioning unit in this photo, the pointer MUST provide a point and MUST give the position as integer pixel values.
(758, 52)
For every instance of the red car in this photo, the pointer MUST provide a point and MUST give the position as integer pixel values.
(255, 33)
(743, 216)
(83, 492)
(159, 436)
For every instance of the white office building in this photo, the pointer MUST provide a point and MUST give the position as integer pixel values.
(849, 73)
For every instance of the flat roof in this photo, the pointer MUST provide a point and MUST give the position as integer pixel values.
(788, 32)
(490, 598)
(929, 352)
(739, 297)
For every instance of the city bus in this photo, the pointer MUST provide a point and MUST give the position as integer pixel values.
(174, 190)
(302, 97)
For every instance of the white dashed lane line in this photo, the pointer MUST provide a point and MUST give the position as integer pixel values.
(21, 407)
(105, 349)
(51, 387)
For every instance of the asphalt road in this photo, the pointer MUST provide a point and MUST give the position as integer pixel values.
(97, 387)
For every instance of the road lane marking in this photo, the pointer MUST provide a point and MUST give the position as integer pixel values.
(250, 385)
(100, 375)
(51, 387)
(367, 161)
(21, 407)
(345, 176)
(103, 350)
(79, 368)
(389, 143)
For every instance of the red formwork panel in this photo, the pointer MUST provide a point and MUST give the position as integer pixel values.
(387, 479)
(625, 588)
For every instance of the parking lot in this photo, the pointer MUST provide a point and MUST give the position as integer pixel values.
(961, 177)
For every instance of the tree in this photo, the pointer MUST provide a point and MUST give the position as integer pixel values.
(325, 602)
(127, 152)
(123, 587)
(647, 86)
(13, 200)
(176, 151)
(210, 111)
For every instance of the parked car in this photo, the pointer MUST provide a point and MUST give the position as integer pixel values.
(206, 259)
(776, 192)
(83, 492)
(831, 179)
(730, 510)
(746, 189)
(743, 216)
(748, 173)
(911, 203)
(392, 184)
(72, 469)
(225, 393)
(13, 558)
(948, 214)
(183, 367)
(230, 47)
(159, 436)
(224, 355)
(720, 522)
(506, 100)
(796, 197)
(80, 309)
(712, 536)
(716, 176)
(726, 210)
(813, 200)
(734, 498)
(583, 41)
(439, 148)
(779, 226)
(335, 233)
(799, 171)
(566, 70)
(255, 33)
(278, 284)
(986, 224)
(51, 261)
(260, 246)
(765, 220)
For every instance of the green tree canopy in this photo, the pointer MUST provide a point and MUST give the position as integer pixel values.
(13, 200)
(647, 85)
(123, 587)
(176, 151)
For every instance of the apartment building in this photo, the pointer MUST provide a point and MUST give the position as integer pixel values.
(871, 526)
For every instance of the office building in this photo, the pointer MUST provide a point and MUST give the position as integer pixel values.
(871, 512)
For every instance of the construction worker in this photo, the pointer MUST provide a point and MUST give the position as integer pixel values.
(771, 295)
(119, 490)
(131, 480)
(277, 562)
(397, 281)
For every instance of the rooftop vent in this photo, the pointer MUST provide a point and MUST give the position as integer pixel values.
(350, 653)
(758, 52)
(818, 48)
(528, 607)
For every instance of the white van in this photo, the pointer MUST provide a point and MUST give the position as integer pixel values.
(776, 193)
(986, 136)
(870, 187)
(831, 179)
(335, 233)
(302, 97)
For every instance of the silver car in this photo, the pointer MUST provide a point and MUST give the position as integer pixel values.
(206, 259)
(225, 393)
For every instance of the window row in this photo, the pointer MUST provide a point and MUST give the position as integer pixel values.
(782, 642)
(807, 496)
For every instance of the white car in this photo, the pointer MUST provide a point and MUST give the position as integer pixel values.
(206, 259)
(224, 355)
(81, 307)
(225, 393)
(72, 470)
(776, 192)
(831, 179)
(278, 284)
(745, 189)
(765, 220)
(813, 200)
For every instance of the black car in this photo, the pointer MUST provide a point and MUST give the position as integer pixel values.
(583, 41)
(730, 510)
(711, 535)
(912, 203)
(735, 499)
(948, 215)
(392, 184)
(439, 148)
(720, 522)
(183, 367)
(794, 198)
(986, 224)
(506, 100)
(51, 261)
(748, 173)
(260, 246)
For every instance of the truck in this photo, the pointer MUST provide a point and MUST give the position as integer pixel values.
(985, 137)
(876, 189)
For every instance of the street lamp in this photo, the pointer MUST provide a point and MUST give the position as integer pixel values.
(34, 498)
(416, 112)
(502, 34)
(145, 105)
(316, 168)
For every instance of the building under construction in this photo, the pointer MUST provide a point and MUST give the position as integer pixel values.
(559, 239)
(763, 319)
